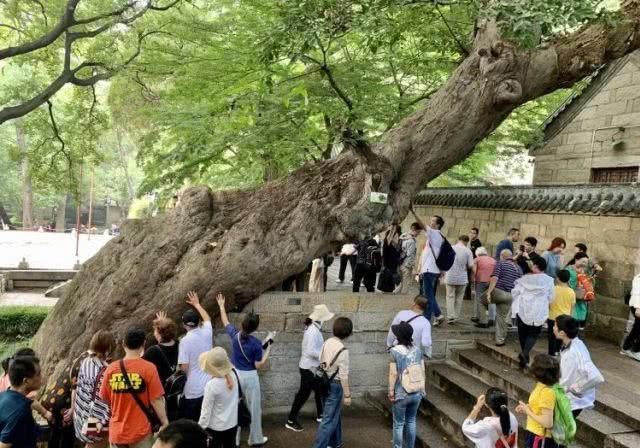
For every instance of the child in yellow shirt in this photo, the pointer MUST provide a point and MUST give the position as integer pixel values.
(542, 402)
(564, 299)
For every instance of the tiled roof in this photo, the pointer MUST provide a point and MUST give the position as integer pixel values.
(623, 199)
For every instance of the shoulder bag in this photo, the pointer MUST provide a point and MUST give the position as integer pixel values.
(154, 421)
(242, 350)
(324, 380)
(244, 415)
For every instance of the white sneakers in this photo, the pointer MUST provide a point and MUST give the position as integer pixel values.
(630, 354)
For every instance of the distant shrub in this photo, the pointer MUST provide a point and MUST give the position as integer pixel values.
(141, 208)
(18, 322)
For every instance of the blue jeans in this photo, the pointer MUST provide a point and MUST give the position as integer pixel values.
(330, 429)
(429, 287)
(404, 421)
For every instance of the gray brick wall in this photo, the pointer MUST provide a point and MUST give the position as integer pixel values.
(371, 315)
(570, 156)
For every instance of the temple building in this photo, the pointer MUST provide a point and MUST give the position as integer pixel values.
(584, 189)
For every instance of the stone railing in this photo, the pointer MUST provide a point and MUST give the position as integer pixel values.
(622, 199)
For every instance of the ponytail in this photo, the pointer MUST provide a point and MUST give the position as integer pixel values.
(497, 401)
(505, 420)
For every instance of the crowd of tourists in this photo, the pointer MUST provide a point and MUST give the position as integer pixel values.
(188, 393)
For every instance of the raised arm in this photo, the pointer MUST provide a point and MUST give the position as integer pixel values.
(265, 356)
(194, 301)
(418, 220)
(223, 312)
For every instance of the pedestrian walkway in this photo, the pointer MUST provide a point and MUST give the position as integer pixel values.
(361, 428)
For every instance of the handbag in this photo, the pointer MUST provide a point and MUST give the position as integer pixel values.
(324, 380)
(94, 426)
(244, 415)
(154, 421)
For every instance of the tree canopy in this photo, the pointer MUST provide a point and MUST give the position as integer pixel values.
(233, 93)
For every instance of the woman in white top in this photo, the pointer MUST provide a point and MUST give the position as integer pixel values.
(334, 359)
(309, 362)
(500, 430)
(219, 415)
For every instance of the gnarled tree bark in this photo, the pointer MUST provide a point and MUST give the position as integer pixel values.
(241, 242)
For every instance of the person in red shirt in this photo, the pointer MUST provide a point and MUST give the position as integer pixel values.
(130, 425)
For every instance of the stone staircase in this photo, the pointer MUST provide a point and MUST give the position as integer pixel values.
(453, 385)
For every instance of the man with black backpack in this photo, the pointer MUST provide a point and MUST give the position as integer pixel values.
(368, 264)
(437, 257)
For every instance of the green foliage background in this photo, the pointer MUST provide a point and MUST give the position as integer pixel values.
(232, 93)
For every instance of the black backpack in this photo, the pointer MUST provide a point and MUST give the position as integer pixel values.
(446, 257)
(374, 257)
(174, 385)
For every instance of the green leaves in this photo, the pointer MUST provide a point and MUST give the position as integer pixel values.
(531, 22)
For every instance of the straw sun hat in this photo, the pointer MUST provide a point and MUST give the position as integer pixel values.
(321, 313)
(215, 362)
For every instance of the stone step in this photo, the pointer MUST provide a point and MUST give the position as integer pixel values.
(465, 388)
(447, 414)
(611, 399)
(594, 427)
(427, 435)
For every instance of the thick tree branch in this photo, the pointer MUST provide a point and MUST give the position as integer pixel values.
(63, 24)
(70, 75)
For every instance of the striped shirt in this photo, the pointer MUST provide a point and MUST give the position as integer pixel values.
(507, 272)
(88, 402)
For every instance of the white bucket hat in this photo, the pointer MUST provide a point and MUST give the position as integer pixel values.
(321, 313)
(215, 362)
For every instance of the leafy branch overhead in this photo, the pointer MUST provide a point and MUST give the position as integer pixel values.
(113, 20)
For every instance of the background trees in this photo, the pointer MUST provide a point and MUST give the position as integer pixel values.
(233, 93)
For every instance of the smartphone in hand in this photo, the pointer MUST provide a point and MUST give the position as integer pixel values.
(268, 340)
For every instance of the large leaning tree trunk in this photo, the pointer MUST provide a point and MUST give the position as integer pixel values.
(242, 242)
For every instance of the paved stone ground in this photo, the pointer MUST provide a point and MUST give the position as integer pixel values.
(361, 428)
(47, 250)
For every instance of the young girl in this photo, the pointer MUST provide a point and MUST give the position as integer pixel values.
(498, 430)
(542, 402)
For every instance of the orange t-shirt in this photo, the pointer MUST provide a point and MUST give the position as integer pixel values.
(129, 424)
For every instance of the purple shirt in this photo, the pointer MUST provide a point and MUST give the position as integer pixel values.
(244, 357)
(507, 272)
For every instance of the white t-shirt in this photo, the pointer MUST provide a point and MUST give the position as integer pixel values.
(220, 405)
(428, 262)
(458, 274)
(194, 343)
(486, 432)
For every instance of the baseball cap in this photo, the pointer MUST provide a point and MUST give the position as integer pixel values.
(190, 318)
